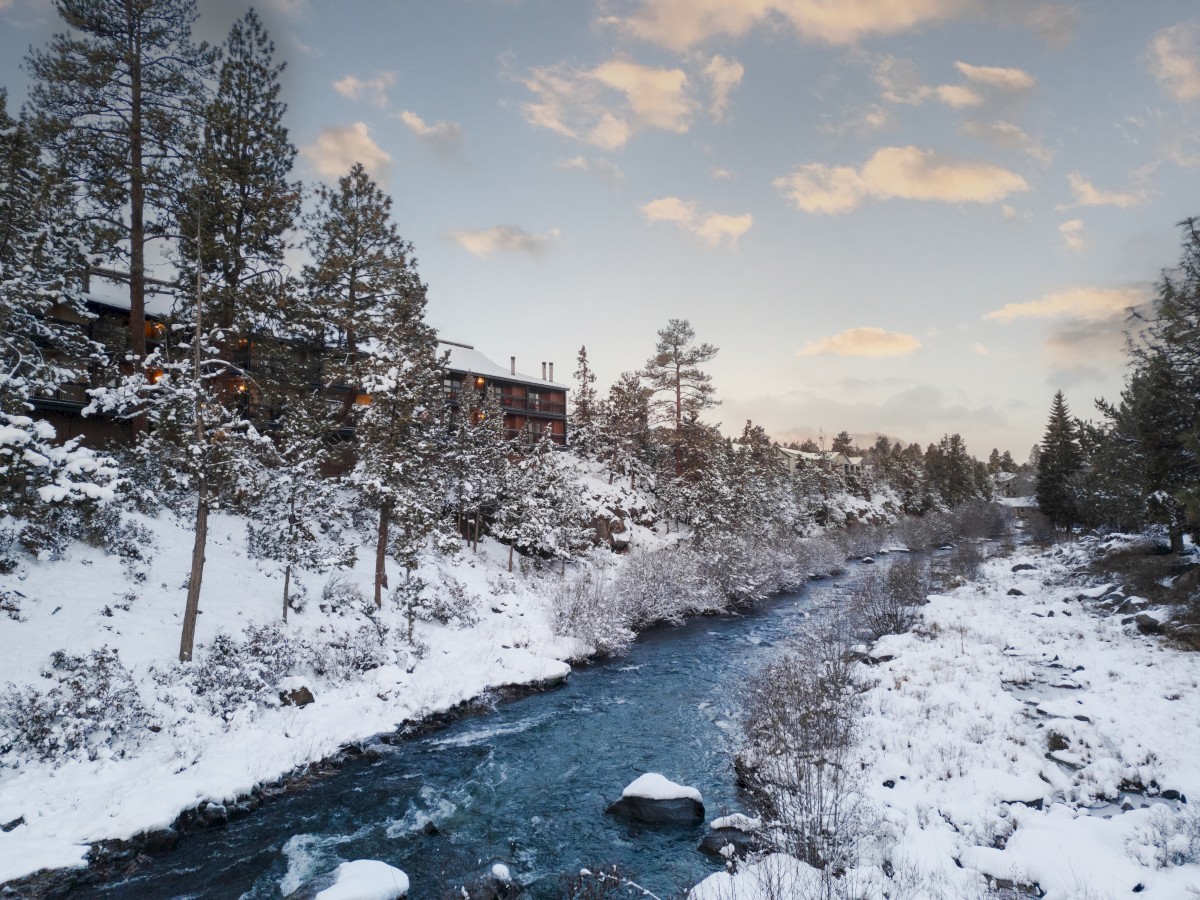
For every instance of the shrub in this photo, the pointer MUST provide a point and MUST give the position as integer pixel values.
(345, 654)
(92, 710)
(589, 609)
(233, 676)
(341, 595)
(800, 721)
(888, 605)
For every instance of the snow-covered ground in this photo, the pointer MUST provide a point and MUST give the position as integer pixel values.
(1022, 739)
(89, 598)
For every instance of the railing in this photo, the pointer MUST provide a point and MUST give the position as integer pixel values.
(522, 404)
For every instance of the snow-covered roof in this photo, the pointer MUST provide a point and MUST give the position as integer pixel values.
(1018, 502)
(1003, 477)
(464, 358)
(115, 295)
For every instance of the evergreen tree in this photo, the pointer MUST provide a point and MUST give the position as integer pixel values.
(585, 416)
(245, 207)
(843, 443)
(382, 356)
(1059, 461)
(41, 347)
(679, 388)
(626, 428)
(117, 97)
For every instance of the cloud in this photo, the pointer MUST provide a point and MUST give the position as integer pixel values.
(1072, 234)
(723, 76)
(443, 137)
(897, 172)
(861, 122)
(1009, 212)
(1087, 194)
(900, 83)
(484, 242)
(1056, 23)
(680, 24)
(981, 349)
(603, 169)
(374, 90)
(712, 228)
(1174, 60)
(606, 105)
(1006, 134)
(1084, 304)
(996, 77)
(337, 148)
(720, 174)
(868, 341)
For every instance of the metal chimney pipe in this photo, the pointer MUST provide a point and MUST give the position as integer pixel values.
(543, 371)
(551, 372)
(512, 365)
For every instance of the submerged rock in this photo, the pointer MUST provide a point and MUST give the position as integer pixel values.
(362, 879)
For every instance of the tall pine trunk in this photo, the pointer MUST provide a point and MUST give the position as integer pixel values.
(381, 554)
(192, 609)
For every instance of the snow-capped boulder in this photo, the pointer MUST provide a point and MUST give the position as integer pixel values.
(732, 837)
(657, 800)
(299, 695)
(366, 879)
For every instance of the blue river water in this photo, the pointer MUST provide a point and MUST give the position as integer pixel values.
(525, 784)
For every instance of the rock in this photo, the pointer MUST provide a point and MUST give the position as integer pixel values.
(362, 879)
(868, 560)
(655, 800)
(1013, 592)
(889, 783)
(1148, 624)
(300, 696)
(15, 823)
(1172, 794)
(729, 843)
(1024, 567)
(430, 829)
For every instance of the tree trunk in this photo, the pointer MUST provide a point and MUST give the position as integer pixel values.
(137, 220)
(287, 577)
(192, 609)
(478, 516)
(1175, 534)
(381, 555)
(510, 557)
(678, 424)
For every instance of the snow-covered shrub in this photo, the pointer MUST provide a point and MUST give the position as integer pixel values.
(343, 655)
(660, 586)
(800, 720)
(233, 675)
(341, 595)
(888, 605)
(8, 556)
(10, 603)
(587, 607)
(92, 710)
(456, 605)
(1170, 837)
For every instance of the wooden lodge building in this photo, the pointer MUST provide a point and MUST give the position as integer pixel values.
(533, 407)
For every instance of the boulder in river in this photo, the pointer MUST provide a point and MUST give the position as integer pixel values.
(656, 800)
(362, 879)
(732, 837)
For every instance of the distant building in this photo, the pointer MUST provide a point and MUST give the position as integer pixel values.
(533, 407)
(831, 460)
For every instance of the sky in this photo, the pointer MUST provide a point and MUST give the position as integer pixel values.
(910, 217)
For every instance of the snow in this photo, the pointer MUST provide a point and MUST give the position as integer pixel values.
(653, 786)
(955, 742)
(774, 876)
(740, 821)
(366, 879)
(501, 873)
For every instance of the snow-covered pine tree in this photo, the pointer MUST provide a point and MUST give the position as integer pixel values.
(294, 508)
(382, 357)
(248, 209)
(556, 522)
(477, 458)
(116, 98)
(586, 416)
(625, 435)
(41, 349)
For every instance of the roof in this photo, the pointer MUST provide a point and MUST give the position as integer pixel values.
(464, 358)
(157, 305)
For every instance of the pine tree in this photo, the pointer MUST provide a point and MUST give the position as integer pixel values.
(1058, 462)
(293, 506)
(41, 349)
(117, 97)
(626, 428)
(246, 206)
(585, 417)
(382, 356)
(843, 443)
(679, 388)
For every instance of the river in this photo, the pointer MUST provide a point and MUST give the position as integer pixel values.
(525, 785)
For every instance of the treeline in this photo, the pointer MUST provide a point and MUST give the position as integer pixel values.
(138, 143)
(1139, 464)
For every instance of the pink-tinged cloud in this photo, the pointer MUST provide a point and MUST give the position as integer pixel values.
(908, 173)
(1083, 304)
(866, 341)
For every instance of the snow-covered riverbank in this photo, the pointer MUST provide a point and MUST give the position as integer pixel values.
(1020, 736)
